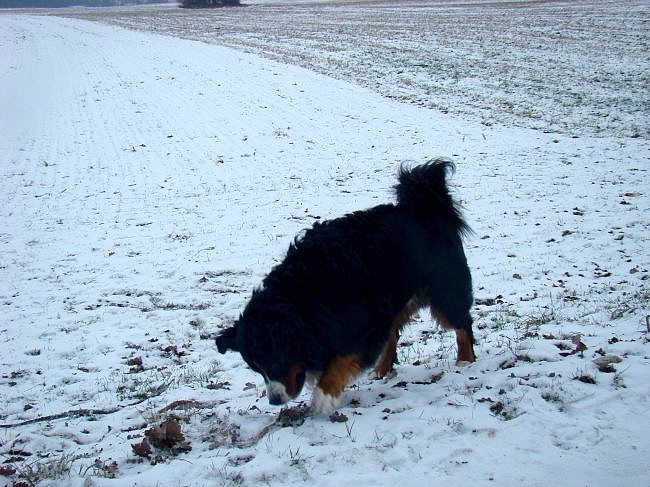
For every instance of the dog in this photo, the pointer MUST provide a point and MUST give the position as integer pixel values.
(336, 304)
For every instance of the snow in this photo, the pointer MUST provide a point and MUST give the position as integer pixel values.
(149, 183)
(575, 67)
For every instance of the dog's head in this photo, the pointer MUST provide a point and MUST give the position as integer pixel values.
(267, 340)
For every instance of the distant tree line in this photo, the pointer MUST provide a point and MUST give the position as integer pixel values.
(209, 3)
(113, 3)
(70, 3)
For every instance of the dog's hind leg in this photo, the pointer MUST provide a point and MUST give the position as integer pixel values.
(465, 346)
(336, 376)
(388, 357)
(464, 335)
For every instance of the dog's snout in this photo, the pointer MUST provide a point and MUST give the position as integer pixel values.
(275, 400)
(277, 393)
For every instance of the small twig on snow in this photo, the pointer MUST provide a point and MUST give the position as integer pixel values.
(75, 413)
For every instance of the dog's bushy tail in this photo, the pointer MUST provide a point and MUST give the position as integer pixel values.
(423, 191)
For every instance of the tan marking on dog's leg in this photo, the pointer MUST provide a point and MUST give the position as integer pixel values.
(465, 347)
(385, 362)
(339, 371)
(333, 381)
(441, 319)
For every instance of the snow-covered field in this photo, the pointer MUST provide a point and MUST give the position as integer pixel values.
(579, 67)
(148, 183)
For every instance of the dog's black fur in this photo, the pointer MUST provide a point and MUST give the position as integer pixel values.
(344, 282)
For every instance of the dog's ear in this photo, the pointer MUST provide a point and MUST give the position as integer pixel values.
(227, 340)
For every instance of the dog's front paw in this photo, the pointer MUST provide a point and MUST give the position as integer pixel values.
(463, 363)
(377, 375)
(323, 403)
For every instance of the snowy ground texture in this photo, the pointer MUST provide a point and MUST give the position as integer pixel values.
(148, 183)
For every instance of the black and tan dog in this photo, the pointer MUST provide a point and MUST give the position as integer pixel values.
(337, 302)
